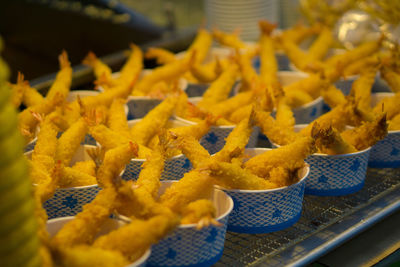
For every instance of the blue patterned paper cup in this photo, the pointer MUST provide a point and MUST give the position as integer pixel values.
(55, 225)
(187, 246)
(265, 211)
(69, 201)
(385, 153)
(174, 167)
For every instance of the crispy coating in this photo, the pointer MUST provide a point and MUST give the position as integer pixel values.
(18, 90)
(156, 119)
(70, 140)
(101, 70)
(62, 82)
(394, 123)
(367, 134)
(71, 178)
(201, 212)
(132, 67)
(161, 55)
(333, 96)
(240, 114)
(319, 48)
(233, 176)
(231, 40)
(312, 85)
(134, 238)
(269, 64)
(82, 256)
(228, 106)
(114, 162)
(290, 156)
(329, 141)
(88, 167)
(196, 184)
(200, 46)
(390, 105)
(206, 73)
(219, 90)
(361, 89)
(191, 147)
(284, 115)
(391, 77)
(117, 120)
(85, 226)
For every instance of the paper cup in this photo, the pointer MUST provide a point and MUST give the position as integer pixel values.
(174, 168)
(265, 211)
(73, 95)
(385, 153)
(187, 246)
(55, 225)
(69, 201)
(336, 175)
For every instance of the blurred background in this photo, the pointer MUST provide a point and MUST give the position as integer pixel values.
(36, 31)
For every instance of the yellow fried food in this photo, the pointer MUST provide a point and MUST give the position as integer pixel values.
(333, 96)
(206, 73)
(228, 106)
(83, 255)
(361, 89)
(389, 105)
(269, 64)
(367, 134)
(394, 123)
(132, 67)
(248, 73)
(201, 212)
(85, 226)
(231, 40)
(219, 90)
(319, 48)
(312, 85)
(101, 70)
(200, 46)
(117, 120)
(72, 177)
(329, 141)
(272, 130)
(70, 140)
(290, 156)
(31, 96)
(87, 166)
(134, 238)
(62, 82)
(233, 176)
(361, 64)
(191, 147)
(391, 77)
(18, 90)
(145, 129)
(240, 114)
(161, 55)
(114, 162)
(196, 184)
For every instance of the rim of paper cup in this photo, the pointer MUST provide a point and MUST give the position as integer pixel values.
(307, 105)
(341, 79)
(222, 216)
(307, 166)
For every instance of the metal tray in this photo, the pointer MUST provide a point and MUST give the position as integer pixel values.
(326, 222)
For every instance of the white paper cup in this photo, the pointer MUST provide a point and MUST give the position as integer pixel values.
(265, 211)
(69, 201)
(187, 246)
(55, 225)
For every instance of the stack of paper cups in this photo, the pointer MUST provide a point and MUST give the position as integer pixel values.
(228, 15)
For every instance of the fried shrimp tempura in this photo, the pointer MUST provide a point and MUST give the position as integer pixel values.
(85, 226)
(269, 64)
(333, 96)
(83, 256)
(196, 184)
(161, 55)
(367, 134)
(114, 162)
(62, 82)
(100, 69)
(134, 238)
(117, 120)
(201, 212)
(230, 105)
(390, 105)
(329, 141)
(290, 156)
(233, 176)
(72, 178)
(157, 118)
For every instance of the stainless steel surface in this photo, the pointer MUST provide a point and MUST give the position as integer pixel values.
(326, 223)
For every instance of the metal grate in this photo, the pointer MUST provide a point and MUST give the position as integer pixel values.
(246, 249)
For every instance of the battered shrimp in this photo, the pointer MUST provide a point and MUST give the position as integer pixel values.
(333, 96)
(296, 55)
(248, 73)
(312, 85)
(269, 64)
(272, 130)
(200, 46)
(228, 106)
(114, 162)
(70, 140)
(361, 89)
(157, 118)
(320, 46)
(117, 120)
(389, 105)
(284, 115)
(133, 239)
(367, 134)
(85, 226)
(297, 98)
(391, 77)
(194, 185)
(88, 167)
(236, 140)
(18, 90)
(290, 156)
(329, 141)
(232, 176)
(219, 90)
(231, 40)
(201, 212)
(31, 97)
(240, 114)
(196, 130)
(161, 55)
(101, 70)
(205, 73)
(394, 123)
(192, 149)
(132, 67)
(71, 178)
(62, 82)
